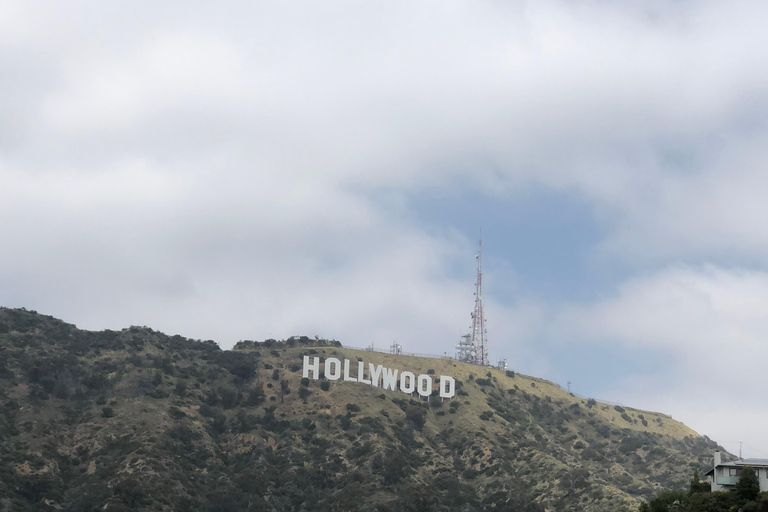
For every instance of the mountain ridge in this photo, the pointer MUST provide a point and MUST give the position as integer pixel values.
(136, 419)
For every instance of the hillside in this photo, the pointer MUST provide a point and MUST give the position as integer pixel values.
(136, 419)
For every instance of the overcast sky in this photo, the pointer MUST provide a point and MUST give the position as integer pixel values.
(248, 170)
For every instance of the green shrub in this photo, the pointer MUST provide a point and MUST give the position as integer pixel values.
(207, 411)
(157, 394)
(630, 444)
(176, 413)
(417, 416)
(470, 474)
(256, 396)
(486, 415)
(229, 397)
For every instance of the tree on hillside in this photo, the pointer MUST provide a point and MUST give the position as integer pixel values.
(746, 497)
(748, 486)
(697, 485)
(667, 500)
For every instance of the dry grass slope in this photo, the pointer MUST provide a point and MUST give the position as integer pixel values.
(136, 419)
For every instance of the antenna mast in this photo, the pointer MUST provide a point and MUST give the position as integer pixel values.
(472, 347)
(478, 320)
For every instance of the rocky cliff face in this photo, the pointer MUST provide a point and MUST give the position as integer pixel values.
(137, 419)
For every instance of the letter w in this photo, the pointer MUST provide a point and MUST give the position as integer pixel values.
(389, 378)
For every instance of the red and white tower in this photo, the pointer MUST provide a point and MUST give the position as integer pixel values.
(472, 347)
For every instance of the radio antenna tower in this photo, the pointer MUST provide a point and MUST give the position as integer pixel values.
(472, 347)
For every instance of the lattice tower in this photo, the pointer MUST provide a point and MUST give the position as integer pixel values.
(472, 347)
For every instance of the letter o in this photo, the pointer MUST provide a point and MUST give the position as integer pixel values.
(332, 368)
(425, 385)
(411, 382)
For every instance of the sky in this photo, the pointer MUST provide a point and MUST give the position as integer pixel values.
(252, 170)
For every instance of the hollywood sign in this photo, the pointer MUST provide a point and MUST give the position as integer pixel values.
(379, 376)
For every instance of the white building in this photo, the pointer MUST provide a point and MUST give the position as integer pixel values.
(724, 475)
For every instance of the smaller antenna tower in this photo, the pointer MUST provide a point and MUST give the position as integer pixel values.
(395, 349)
(465, 350)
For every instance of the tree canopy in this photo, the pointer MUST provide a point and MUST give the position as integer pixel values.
(745, 497)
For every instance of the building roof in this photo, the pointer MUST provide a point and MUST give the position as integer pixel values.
(751, 462)
(757, 463)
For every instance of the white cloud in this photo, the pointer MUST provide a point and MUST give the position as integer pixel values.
(172, 71)
(708, 325)
(130, 183)
(209, 171)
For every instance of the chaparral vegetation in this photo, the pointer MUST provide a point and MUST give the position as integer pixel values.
(139, 420)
